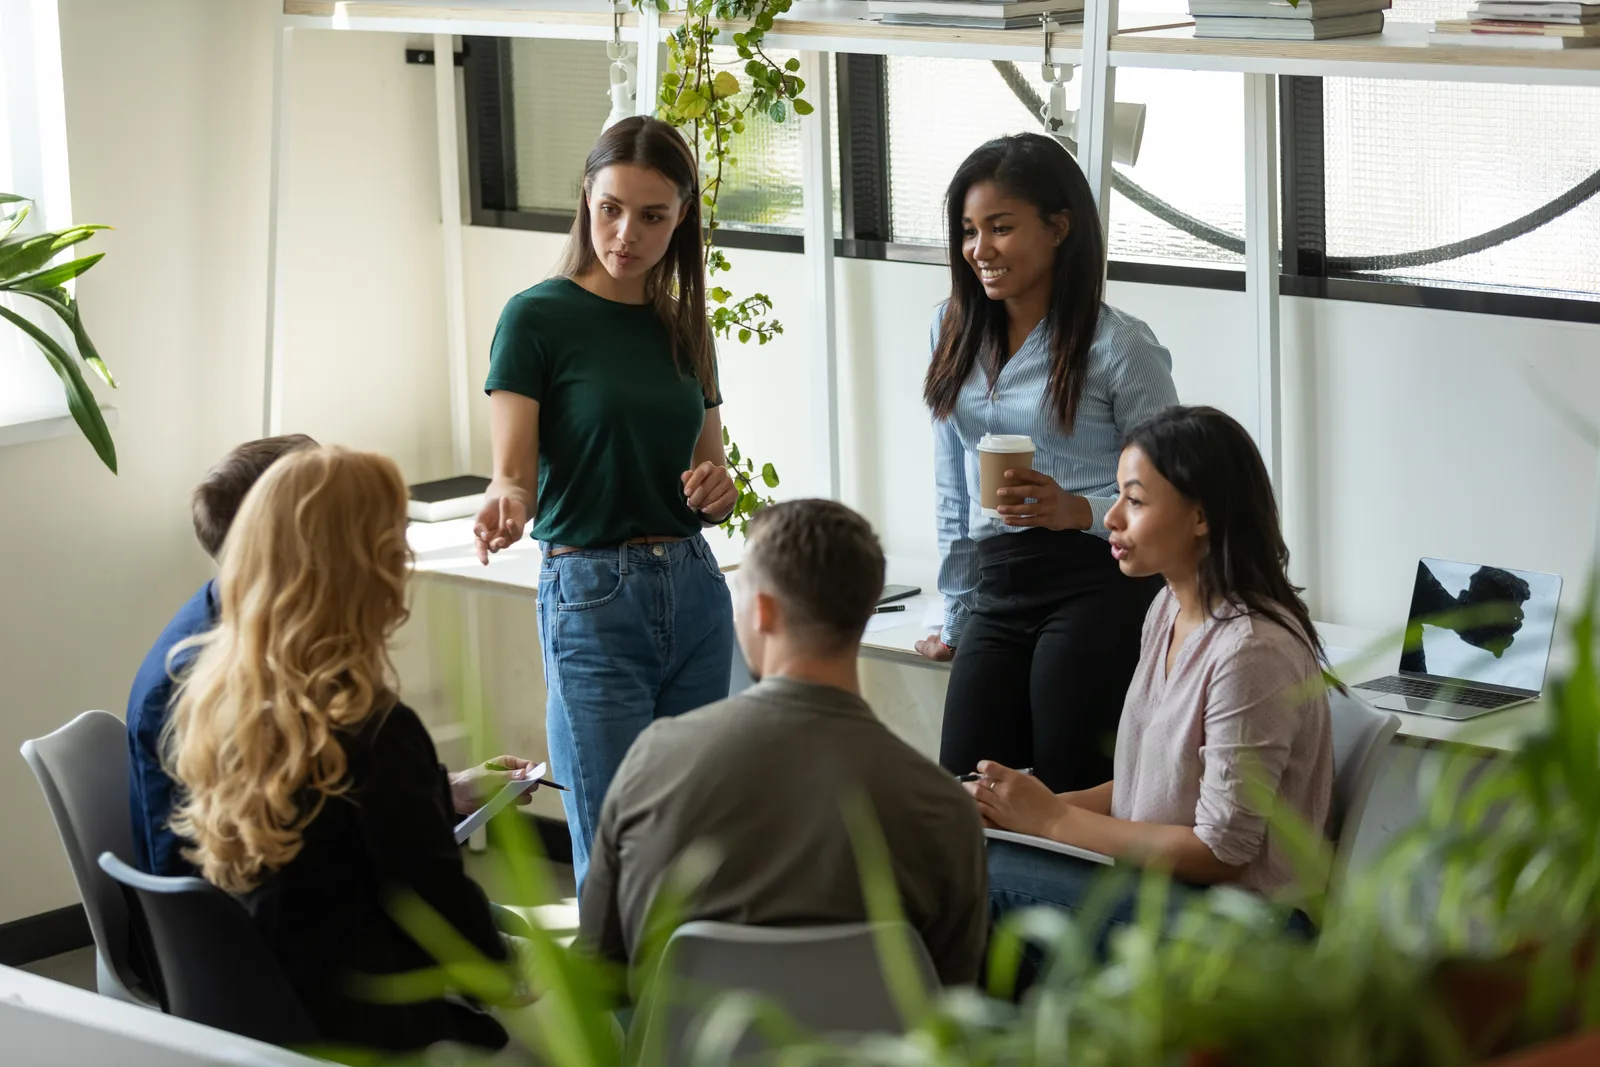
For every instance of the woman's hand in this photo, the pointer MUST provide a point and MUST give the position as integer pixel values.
(473, 786)
(1014, 801)
(500, 521)
(709, 490)
(1053, 507)
(935, 649)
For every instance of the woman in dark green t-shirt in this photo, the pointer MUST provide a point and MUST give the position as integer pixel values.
(603, 408)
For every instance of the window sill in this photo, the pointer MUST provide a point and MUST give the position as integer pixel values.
(23, 427)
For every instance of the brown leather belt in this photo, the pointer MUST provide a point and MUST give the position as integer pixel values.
(649, 539)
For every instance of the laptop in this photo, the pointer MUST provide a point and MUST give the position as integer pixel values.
(1477, 640)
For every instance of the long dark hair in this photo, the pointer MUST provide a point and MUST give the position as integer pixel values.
(1211, 460)
(1038, 169)
(676, 285)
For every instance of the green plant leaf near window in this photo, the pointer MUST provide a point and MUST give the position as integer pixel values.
(27, 273)
(712, 107)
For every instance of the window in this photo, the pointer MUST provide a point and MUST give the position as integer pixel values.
(1191, 159)
(545, 104)
(1379, 178)
(1410, 169)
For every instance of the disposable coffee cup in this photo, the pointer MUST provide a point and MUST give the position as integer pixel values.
(998, 453)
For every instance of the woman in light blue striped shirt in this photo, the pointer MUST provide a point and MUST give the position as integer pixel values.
(1043, 627)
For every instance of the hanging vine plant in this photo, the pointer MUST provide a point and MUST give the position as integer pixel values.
(713, 108)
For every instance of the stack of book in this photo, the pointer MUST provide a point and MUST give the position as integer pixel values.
(975, 14)
(1548, 24)
(1277, 20)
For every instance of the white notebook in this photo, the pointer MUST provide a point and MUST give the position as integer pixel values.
(497, 803)
(1049, 846)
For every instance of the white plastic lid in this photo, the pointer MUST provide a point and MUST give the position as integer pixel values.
(1005, 442)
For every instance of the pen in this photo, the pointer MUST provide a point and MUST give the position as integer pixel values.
(974, 776)
(887, 608)
(542, 781)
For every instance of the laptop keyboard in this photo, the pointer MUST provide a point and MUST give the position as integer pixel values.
(1450, 694)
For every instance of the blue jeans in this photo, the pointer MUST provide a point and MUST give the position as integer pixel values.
(1024, 877)
(630, 635)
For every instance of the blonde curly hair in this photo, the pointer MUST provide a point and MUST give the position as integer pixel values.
(312, 588)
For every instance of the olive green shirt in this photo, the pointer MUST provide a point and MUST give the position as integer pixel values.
(618, 421)
(760, 777)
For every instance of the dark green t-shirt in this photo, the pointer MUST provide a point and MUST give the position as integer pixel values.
(617, 422)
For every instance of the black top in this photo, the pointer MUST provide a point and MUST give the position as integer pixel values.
(323, 913)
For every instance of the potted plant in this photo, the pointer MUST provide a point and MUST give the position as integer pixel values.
(27, 272)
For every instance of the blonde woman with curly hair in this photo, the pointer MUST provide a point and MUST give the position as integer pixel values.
(308, 789)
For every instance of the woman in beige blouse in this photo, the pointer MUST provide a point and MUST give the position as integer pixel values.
(1229, 687)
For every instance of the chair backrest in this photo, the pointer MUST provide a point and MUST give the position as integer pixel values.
(1361, 733)
(827, 979)
(215, 967)
(83, 770)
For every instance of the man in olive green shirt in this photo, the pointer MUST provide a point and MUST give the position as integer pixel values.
(759, 777)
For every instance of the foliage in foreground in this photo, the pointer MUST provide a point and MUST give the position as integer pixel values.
(1472, 934)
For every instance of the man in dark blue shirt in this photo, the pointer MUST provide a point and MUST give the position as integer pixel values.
(216, 501)
(156, 848)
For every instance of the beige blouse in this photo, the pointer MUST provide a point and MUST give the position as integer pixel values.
(1245, 697)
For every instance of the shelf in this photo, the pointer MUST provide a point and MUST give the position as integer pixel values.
(1401, 51)
(584, 20)
(843, 26)
(818, 25)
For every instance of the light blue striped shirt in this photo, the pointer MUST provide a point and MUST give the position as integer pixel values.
(1130, 379)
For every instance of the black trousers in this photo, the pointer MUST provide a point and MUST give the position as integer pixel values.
(1044, 662)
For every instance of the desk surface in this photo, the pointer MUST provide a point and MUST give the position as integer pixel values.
(444, 553)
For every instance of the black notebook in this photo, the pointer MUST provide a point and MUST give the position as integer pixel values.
(447, 498)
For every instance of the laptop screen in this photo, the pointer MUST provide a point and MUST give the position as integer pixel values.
(1481, 624)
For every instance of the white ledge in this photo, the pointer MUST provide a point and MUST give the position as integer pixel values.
(20, 428)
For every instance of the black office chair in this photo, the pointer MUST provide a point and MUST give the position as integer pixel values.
(214, 967)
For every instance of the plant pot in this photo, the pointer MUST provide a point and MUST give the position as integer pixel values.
(1580, 1051)
(1486, 999)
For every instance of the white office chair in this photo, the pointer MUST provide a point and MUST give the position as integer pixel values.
(828, 979)
(83, 770)
(1361, 734)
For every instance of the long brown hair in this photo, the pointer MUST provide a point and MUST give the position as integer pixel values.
(1035, 168)
(677, 284)
(313, 586)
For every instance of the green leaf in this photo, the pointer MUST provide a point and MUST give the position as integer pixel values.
(661, 6)
(733, 454)
(801, 107)
(744, 336)
(793, 64)
(24, 255)
(727, 438)
(724, 85)
(80, 400)
(769, 475)
(16, 220)
(53, 277)
(61, 302)
(777, 112)
(15, 198)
